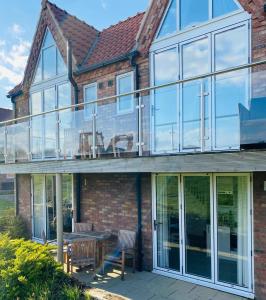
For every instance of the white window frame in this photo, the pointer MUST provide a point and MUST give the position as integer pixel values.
(118, 77)
(179, 30)
(95, 104)
(213, 283)
(40, 60)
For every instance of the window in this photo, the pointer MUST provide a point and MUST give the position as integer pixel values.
(50, 63)
(90, 94)
(184, 14)
(125, 85)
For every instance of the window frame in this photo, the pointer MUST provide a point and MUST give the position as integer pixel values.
(40, 60)
(211, 19)
(95, 104)
(118, 77)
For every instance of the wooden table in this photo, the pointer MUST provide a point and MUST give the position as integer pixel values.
(99, 236)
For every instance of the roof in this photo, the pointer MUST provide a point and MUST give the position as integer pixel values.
(5, 114)
(90, 47)
(115, 41)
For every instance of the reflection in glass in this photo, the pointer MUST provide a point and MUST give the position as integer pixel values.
(231, 48)
(232, 236)
(67, 202)
(50, 121)
(90, 95)
(49, 40)
(50, 207)
(193, 12)
(39, 229)
(125, 85)
(49, 62)
(195, 58)
(222, 7)
(167, 222)
(230, 92)
(61, 66)
(36, 126)
(165, 102)
(170, 22)
(197, 225)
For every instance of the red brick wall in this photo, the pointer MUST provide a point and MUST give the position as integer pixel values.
(109, 202)
(24, 198)
(259, 198)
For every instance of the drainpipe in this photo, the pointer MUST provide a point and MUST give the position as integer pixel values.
(70, 72)
(139, 229)
(78, 192)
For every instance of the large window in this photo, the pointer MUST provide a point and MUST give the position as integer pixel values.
(50, 63)
(125, 84)
(90, 94)
(200, 115)
(185, 14)
(44, 206)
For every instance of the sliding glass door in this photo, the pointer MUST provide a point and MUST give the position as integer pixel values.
(44, 206)
(202, 227)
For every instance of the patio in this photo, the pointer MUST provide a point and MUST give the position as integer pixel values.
(147, 286)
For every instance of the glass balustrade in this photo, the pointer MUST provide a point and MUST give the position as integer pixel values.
(222, 112)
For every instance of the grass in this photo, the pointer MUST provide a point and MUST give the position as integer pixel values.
(6, 205)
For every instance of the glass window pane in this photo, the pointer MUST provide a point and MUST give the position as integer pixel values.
(48, 40)
(50, 207)
(67, 203)
(39, 230)
(231, 48)
(61, 66)
(197, 225)
(195, 58)
(193, 12)
(166, 66)
(222, 7)
(232, 235)
(167, 220)
(227, 132)
(170, 22)
(36, 103)
(125, 103)
(50, 123)
(38, 72)
(90, 95)
(49, 63)
(64, 95)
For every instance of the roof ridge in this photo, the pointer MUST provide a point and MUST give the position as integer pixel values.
(123, 21)
(75, 17)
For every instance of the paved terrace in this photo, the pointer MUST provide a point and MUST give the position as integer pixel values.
(147, 286)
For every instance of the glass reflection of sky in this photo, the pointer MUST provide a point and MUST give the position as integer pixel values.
(222, 7)
(170, 22)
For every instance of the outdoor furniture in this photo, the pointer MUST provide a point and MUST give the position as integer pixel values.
(82, 254)
(125, 249)
(83, 227)
(128, 138)
(73, 237)
(86, 143)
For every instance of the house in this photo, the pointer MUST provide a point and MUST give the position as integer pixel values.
(182, 160)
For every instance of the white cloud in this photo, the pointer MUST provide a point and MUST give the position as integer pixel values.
(103, 4)
(16, 29)
(13, 61)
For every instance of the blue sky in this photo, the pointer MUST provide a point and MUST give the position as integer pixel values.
(18, 21)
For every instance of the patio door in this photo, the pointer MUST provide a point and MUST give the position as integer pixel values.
(44, 205)
(202, 229)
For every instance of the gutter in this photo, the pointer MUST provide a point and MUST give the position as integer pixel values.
(70, 72)
(126, 56)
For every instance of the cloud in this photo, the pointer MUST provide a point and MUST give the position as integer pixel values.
(103, 4)
(13, 61)
(16, 29)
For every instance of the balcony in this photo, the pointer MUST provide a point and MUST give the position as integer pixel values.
(223, 111)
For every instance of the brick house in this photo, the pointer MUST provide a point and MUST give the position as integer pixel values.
(181, 161)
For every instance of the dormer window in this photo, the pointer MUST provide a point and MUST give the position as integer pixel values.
(51, 63)
(185, 14)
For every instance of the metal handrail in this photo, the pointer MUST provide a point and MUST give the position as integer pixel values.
(147, 89)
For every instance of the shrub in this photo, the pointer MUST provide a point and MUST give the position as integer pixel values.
(14, 226)
(29, 271)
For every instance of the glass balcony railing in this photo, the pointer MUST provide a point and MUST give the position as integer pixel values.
(222, 111)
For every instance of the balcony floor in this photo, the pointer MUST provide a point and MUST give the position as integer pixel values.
(147, 286)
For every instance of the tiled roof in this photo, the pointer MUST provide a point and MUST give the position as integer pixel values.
(5, 114)
(80, 34)
(115, 41)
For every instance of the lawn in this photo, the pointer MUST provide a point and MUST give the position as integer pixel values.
(6, 205)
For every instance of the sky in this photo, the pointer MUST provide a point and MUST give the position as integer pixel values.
(18, 21)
